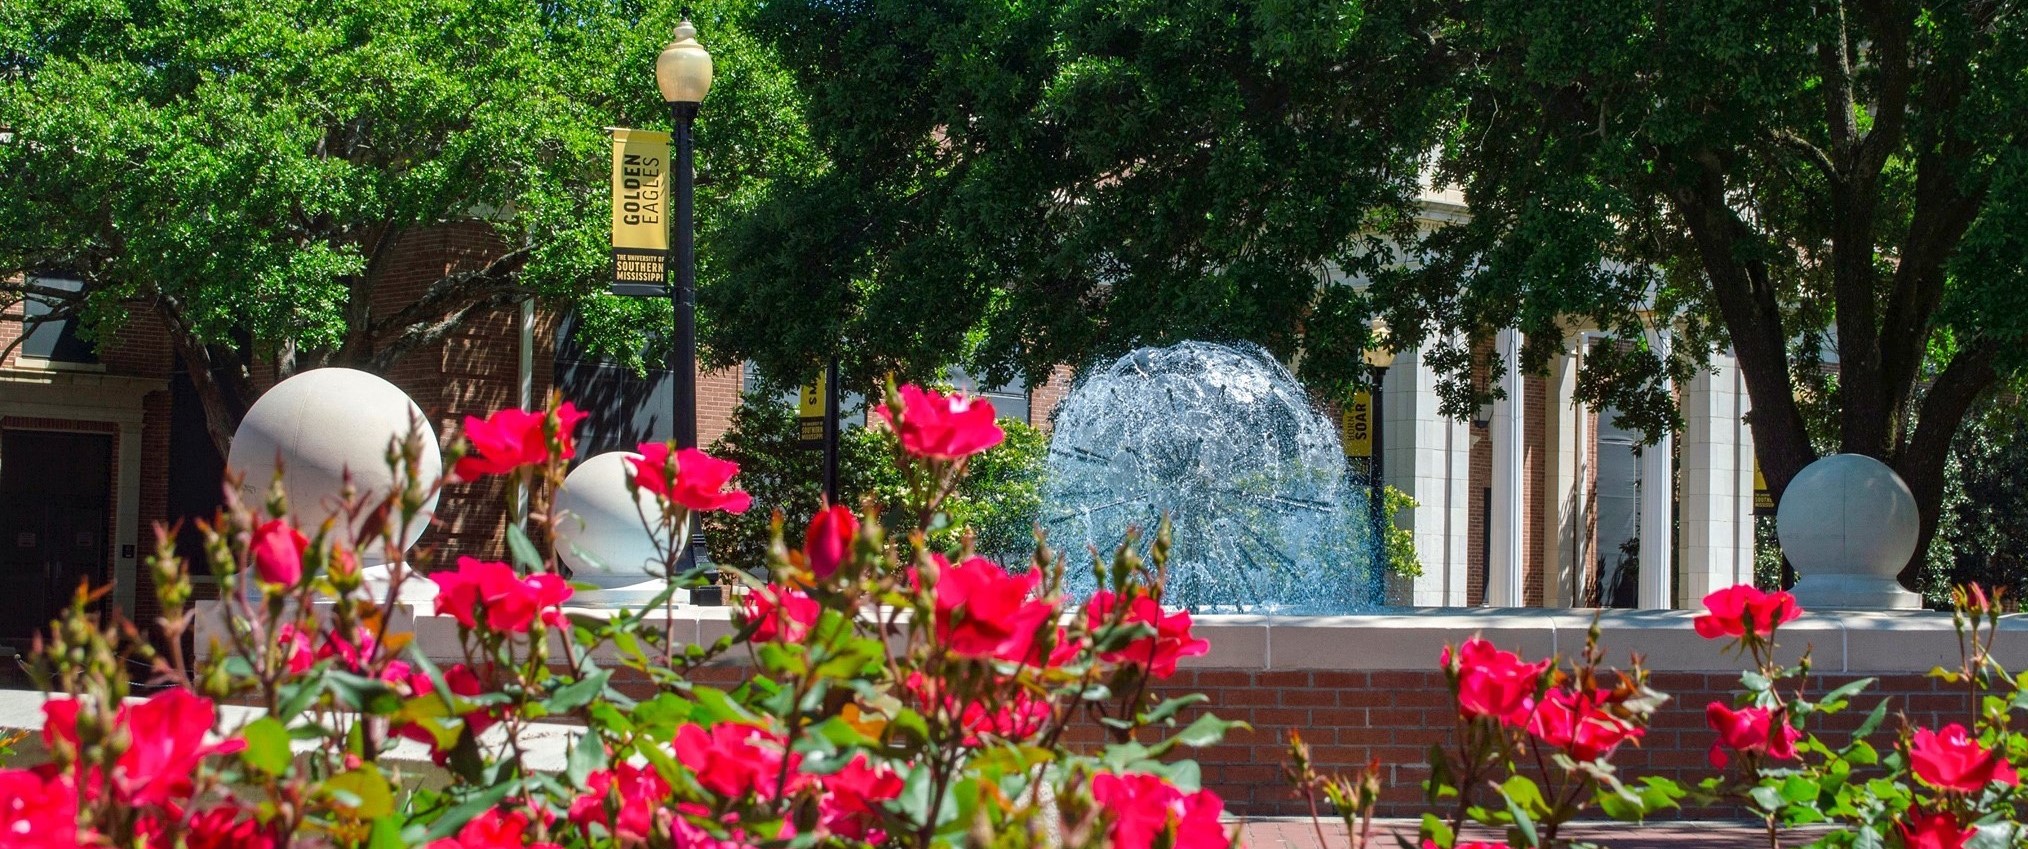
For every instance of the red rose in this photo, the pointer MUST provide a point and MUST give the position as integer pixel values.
(1736, 610)
(1493, 683)
(1949, 759)
(695, 479)
(731, 759)
(1158, 653)
(829, 539)
(1577, 722)
(942, 427)
(985, 613)
(850, 803)
(784, 613)
(509, 439)
(1470, 844)
(494, 829)
(493, 590)
(167, 734)
(1145, 807)
(38, 811)
(225, 827)
(1933, 830)
(1015, 714)
(464, 682)
(641, 793)
(277, 549)
(1749, 729)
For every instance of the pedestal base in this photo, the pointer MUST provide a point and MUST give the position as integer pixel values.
(1853, 592)
(631, 596)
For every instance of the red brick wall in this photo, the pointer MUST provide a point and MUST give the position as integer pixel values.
(1042, 399)
(1348, 717)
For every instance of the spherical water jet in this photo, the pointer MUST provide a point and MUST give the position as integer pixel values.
(1225, 442)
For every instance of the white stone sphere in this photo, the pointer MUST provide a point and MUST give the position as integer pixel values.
(600, 533)
(322, 423)
(1849, 524)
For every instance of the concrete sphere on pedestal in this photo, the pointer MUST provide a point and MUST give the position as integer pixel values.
(321, 424)
(600, 533)
(1849, 524)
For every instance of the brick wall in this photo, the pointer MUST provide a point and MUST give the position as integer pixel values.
(1043, 399)
(1394, 715)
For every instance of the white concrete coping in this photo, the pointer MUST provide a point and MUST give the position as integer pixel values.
(1862, 642)
(544, 746)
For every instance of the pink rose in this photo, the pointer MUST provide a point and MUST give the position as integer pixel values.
(942, 427)
(492, 590)
(1577, 722)
(732, 759)
(494, 829)
(829, 539)
(1145, 807)
(985, 613)
(784, 613)
(695, 479)
(850, 804)
(1749, 729)
(1493, 683)
(38, 811)
(510, 439)
(641, 793)
(1933, 830)
(277, 549)
(1949, 759)
(1158, 653)
(167, 734)
(1738, 610)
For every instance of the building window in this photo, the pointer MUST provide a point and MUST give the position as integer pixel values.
(55, 341)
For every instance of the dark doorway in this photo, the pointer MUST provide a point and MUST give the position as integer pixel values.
(55, 500)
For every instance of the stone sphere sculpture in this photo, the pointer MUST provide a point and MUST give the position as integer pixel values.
(321, 424)
(601, 536)
(1849, 524)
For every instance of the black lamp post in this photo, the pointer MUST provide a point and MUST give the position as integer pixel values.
(683, 73)
(1379, 359)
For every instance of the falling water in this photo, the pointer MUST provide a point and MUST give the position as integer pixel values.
(1224, 441)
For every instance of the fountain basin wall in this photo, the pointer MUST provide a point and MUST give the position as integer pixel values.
(1366, 685)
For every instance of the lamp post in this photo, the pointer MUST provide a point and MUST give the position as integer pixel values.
(683, 73)
(1379, 359)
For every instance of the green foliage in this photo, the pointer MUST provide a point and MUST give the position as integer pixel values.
(1402, 560)
(998, 499)
(241, 168)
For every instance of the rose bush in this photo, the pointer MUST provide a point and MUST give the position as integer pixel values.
(897, 695)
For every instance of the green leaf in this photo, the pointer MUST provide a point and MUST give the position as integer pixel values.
(1437, 830)
(525, 553)
(578, 693)
(1204, 731)
(1168, 709)
(386, 834)
(448, 823)
(1846, 692)
(365, 791)
(586, 756)
(1524, 825)
(1521, 790)
(1872, 722)
(267, 745)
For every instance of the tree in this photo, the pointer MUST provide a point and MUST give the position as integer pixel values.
(1046, 182)
(242, 169)
(1021, 185)
(1785, 179)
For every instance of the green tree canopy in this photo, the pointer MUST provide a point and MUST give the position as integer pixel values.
(241, 168)
(1052, 181)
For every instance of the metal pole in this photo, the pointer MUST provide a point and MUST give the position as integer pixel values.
(831, 428)
(1378, 498)
(683, 296)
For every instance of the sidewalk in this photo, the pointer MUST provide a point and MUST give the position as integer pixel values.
(1297, 833)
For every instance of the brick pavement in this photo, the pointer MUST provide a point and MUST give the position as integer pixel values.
(1299, 833)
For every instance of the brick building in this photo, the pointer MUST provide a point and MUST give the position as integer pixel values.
(98, 444)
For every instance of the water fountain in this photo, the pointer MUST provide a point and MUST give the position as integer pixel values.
(1224, 441)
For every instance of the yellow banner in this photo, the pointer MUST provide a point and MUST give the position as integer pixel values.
(640, 210)
(1355, 425)
(1763, 500)
(810, 414)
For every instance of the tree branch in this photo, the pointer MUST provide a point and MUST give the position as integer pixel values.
(454, 292)
(1921, 462)
(425, 333)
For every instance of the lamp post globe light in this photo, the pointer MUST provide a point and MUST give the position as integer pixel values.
(683, 73)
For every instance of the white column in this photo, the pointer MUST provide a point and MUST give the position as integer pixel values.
(1658, 497)
(1563, 497)
(1742, 481)
(1503, 563)
(1428, 456)
(1714, 503)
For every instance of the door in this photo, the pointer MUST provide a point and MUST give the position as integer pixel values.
(55, 500)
